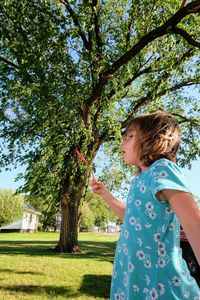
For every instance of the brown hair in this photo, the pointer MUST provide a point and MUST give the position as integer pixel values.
(158, 136)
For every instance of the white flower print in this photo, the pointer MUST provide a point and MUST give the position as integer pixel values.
(155, 177)
(176, 281)
(125, 281)
(152, 215)
(145, 290)
(139, 242)
(132, 221)
(129, 199)
(147, 225)
(126, 233)
(156, 237)
(140, 254)
(128, 211)
(161, 262)
(161, 288)
(147, 279)
(168, 210)
(136, 288)
(163, 174)
(122, 296)
(161, 252)
(161, 246)
(149, 206)
(183, 273)
(163, 163)
(177, 233)
(186, 294)
(143, 188)
(119, 296)
(139, 183)
(114, 274)
(171, 226)
(125, 250)
(153, 294)
(131, 267)
(138, 202)
(119, 249)
(147, 264)
(163, 229)
(138, 227)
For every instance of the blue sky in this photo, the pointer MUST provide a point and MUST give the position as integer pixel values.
(7, 178)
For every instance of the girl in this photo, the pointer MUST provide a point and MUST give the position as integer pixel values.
(148, 261)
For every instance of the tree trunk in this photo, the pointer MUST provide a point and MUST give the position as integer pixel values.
(68, 241)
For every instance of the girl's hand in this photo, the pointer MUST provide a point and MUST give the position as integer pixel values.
(98, 187)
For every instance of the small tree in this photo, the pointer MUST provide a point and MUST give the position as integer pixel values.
(10, 206)
(86, 216)
(93, 211)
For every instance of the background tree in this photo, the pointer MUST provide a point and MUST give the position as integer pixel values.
(94, 212)
(10, 206)
(86, 217)
(72, 74)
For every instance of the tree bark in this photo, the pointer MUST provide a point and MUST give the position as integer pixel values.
(68, 241)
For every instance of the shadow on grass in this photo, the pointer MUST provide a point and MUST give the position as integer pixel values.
(39, 290)
(93, 285)
(20, 272)
(96, 285)
(89, 249)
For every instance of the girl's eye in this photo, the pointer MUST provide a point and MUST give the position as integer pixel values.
(127, 137)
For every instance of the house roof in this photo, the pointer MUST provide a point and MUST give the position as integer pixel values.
(30, 208)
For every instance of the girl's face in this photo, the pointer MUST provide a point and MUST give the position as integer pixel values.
(129, 148)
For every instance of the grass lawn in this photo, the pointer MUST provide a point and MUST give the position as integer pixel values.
(30, 269)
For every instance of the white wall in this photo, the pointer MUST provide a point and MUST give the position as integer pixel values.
(29, 221)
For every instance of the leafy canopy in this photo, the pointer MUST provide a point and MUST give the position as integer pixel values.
(72, 72)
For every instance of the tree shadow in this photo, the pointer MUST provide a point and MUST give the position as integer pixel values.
(20, 272)
(39, 290)
(98, 250)
(96, 285)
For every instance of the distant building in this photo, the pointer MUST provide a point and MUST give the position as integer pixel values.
(28, 222)
(112, 227)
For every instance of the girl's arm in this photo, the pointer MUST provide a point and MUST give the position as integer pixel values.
(188, 214)
(117, 207)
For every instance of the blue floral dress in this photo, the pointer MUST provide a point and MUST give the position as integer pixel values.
(148, 259)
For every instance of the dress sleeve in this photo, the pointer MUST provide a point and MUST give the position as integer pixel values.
(166, 175)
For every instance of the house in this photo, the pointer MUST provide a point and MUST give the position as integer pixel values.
(27, 223)
(112, 227)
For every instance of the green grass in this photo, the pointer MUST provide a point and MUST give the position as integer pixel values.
(30, 269)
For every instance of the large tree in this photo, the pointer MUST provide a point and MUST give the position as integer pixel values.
(73, 73)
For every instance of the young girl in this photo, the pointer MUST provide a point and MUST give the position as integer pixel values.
(148, 261)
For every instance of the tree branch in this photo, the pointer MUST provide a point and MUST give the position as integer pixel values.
(186, 36)
(95, 10)
(193, 7)
(150, 97)
(8, 62)
(184, 119)
(162, 30)
(142, 72)
(77, 24)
